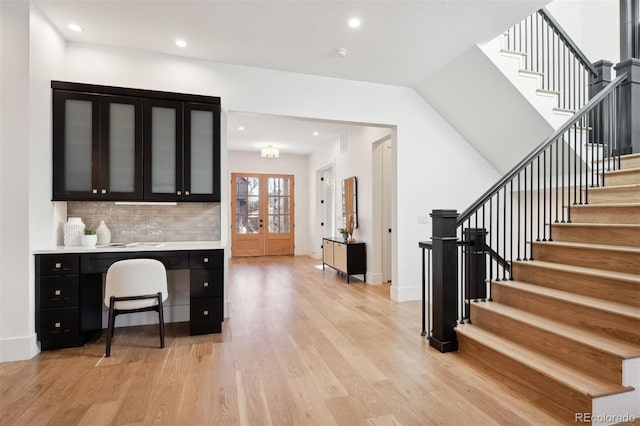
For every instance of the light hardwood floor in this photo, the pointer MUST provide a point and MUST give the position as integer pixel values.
(301, 347)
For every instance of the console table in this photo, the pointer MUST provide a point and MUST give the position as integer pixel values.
(69, 294)
(348, 258)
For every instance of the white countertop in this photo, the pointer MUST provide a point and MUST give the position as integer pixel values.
(133, 247)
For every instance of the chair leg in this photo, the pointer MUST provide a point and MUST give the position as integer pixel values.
(110, 326)
(161, 319)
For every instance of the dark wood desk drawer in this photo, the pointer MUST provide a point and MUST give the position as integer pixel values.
(207, 282)
(59, 328)
(206, 315)
(58, 264)
(100, 262)
(59, 291)
(206, 259)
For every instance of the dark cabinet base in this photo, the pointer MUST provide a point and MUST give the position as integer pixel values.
(69, 294)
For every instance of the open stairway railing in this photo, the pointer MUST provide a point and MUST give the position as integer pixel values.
(471, 249)
(550, 52)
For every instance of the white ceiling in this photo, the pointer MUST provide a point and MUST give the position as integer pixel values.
(292, 135)
(399, 42)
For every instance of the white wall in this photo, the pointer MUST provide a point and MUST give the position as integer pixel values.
(356, 161)
(297, 165)
(428, 153)
(594, 25)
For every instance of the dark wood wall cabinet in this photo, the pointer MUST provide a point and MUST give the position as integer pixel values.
(348, 258)
(120, 144)
(69, 295)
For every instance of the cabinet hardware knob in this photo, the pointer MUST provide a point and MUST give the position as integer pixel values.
(94, 191)
(205, 284)
(205, 260)
(104, 191)
(186, 193)
(205, 313)
(57, 292)
(178, 192)
(57, 325)
(58, 265)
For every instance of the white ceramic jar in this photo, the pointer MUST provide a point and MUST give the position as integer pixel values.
(73, 231)
(103, 233)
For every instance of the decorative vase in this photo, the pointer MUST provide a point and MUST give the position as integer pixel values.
(103, 233)
(89, 240)
(73, 231)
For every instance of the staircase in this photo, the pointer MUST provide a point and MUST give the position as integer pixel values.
(568, 325)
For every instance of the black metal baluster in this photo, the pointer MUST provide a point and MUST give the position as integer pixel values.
(550, 192)
(518, 217)
(586, 178)
(525, 214)
(511, 227)
(580, 169)
(557, 142)
(538, 205)
(562, 172)
(490, 237)
(531, 211)
(575, 161)
(504, 230)
(544, 195)
(497, 233)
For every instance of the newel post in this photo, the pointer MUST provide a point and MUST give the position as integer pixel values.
(445, 280)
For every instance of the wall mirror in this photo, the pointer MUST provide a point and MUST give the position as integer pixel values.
(350, 202)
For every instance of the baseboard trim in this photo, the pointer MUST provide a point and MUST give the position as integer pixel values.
(18, 348)
(405, 294)
(374, 278)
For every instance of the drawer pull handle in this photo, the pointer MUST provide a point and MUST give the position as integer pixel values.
(57, 325)
(205, 260)
(58, 265)
(205, 313)
(57, 292)
(205, 284)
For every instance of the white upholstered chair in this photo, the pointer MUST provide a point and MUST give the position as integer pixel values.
(135, 285)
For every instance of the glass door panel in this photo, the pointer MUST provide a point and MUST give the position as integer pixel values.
(163, 150)
(78, 145)
(202, 152)
(121, 147)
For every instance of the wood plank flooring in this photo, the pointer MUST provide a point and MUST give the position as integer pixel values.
(301, 347)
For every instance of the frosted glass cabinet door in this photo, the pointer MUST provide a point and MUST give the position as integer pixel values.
(163, 150)
(76, 140)
(201, 152)
(121, 148)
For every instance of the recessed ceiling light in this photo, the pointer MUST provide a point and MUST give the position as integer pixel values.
(240, 127)
(354, 22)
(181, 43)
(74, 27)
(315, 133)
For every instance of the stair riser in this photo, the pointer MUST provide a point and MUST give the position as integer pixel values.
(611, 260)
(629, 178)
(583, 357)
(607, 323)
(523, 375)
(587, 285)
(595, 214)
(630, 162)
(612, 235)
(604, 195)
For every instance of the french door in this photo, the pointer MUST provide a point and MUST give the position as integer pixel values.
(262, 210)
